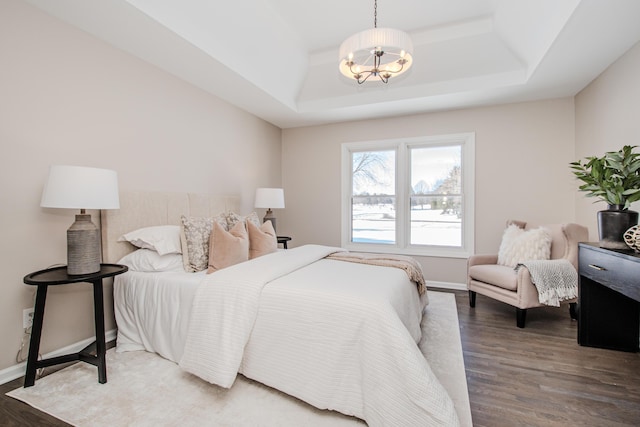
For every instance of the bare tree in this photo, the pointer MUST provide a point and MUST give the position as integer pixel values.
(420, 189)
(369, 168)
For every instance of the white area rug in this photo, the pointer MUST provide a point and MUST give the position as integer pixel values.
(144, 389)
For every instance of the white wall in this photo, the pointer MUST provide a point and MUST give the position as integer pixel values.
(606, 119)
(68, 98)
(522, 156)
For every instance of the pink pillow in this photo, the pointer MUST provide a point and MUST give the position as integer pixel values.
(227, 248)
(262, 240)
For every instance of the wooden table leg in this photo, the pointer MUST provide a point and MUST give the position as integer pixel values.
(36, 333)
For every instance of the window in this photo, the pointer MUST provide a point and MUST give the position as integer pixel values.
(411, 196)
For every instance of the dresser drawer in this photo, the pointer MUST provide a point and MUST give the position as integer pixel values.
(610, 269)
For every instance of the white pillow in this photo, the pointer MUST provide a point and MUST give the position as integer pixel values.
(164, 239)
(519, 245)
(151, 261)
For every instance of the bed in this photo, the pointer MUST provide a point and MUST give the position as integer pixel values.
(338, 335)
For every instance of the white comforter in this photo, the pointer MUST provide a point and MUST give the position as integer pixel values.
(358, 358)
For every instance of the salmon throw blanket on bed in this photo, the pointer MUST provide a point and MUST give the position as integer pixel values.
(408, 264)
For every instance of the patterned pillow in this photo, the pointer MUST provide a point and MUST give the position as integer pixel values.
(519, 245)
(233, 218)
(195, 235)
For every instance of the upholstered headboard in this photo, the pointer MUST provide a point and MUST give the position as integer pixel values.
(144, 209)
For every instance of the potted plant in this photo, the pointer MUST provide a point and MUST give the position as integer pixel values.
(615, 179)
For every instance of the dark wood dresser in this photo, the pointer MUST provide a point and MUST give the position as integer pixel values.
(608, 298)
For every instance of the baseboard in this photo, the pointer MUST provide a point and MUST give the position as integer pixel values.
(447, 285)
(17, 371)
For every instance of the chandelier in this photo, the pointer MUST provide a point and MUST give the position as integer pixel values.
(378, 52)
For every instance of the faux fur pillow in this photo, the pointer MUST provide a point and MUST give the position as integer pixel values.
(262, 240)
(519, 245)
(227, 248)
(195, 235)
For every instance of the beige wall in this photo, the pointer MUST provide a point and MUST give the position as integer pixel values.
(522, 156)
(68, 98)
(606, 119)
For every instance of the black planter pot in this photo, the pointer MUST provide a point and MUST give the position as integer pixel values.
(612, 224)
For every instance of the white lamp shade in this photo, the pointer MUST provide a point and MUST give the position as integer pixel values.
(269, 198)
(389, 39)
(78, 187)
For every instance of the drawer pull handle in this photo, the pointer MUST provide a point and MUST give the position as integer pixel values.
(597, 267)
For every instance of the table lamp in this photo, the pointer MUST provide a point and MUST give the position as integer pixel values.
(270, 198)
(77, 187)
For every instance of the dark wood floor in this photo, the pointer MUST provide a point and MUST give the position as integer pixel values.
(537, 376)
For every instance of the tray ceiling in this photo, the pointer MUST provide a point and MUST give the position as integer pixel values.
(278, 59)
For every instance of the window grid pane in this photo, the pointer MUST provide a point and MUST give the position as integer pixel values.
(373, 219)
(436, 201)
(436, 220)
(373, 201)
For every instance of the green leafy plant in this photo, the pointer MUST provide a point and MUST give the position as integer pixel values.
(613, 178)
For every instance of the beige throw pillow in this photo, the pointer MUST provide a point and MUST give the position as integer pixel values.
(519, 245)
(262, 240)
(227, 248)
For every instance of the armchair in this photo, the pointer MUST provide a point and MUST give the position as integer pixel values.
(487, 277)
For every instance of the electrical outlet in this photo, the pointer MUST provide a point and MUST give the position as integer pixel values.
(27, 317)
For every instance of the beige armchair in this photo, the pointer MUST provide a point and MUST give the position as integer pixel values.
(513, 287)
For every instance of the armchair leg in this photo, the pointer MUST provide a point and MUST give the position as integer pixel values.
(573, 310)
(472, 299)
(521, 316)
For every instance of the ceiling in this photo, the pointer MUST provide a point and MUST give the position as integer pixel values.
(278, 59)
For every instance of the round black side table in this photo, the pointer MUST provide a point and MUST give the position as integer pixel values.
(283, 240)
(58, 276)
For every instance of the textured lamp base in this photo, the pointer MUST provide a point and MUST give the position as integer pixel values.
(270, 217)
(83, 246)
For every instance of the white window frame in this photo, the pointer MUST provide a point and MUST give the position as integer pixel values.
(403, 186)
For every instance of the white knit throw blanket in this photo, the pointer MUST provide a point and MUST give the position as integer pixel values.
(555, 279)
(226, 306)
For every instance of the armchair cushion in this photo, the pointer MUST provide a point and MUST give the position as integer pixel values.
(498, 275)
